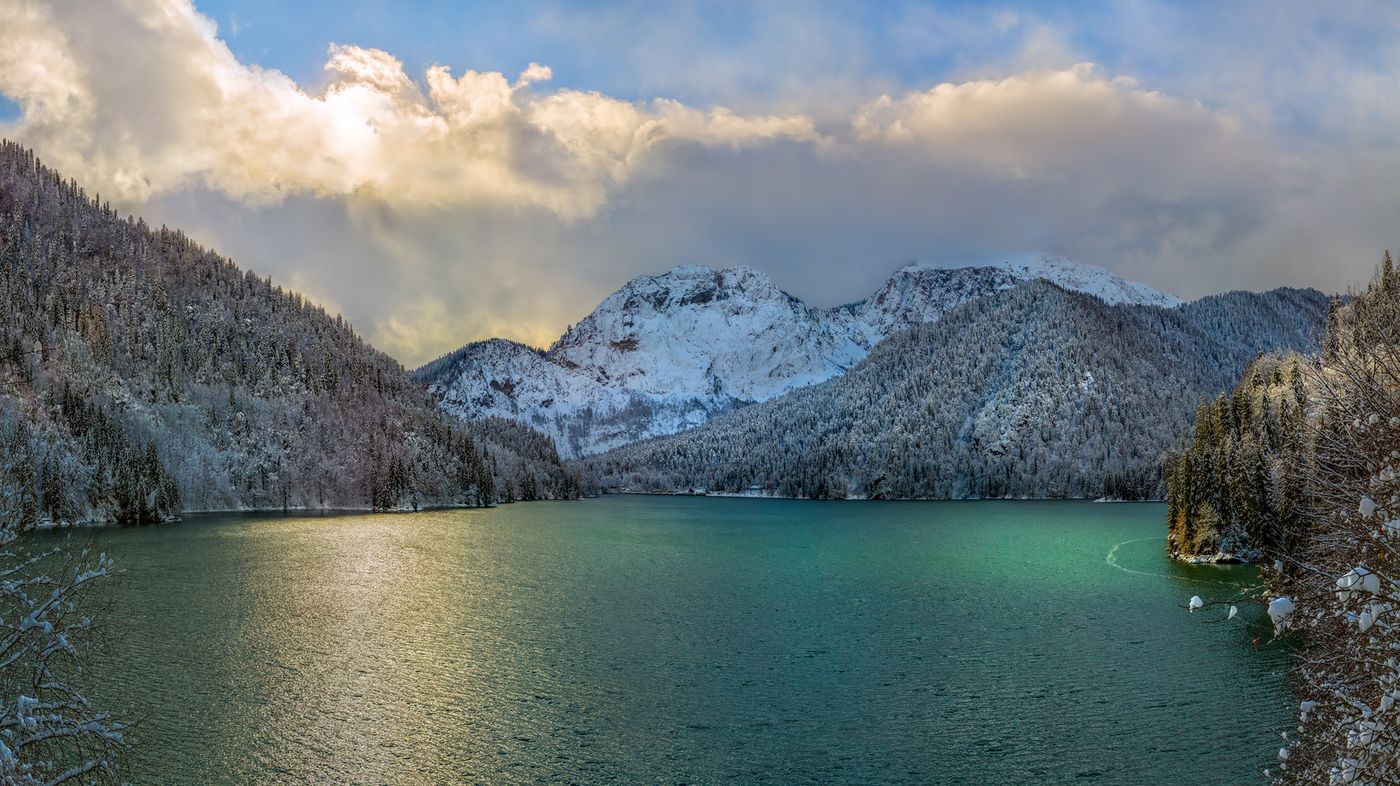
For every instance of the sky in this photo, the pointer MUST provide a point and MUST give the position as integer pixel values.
(442, 172)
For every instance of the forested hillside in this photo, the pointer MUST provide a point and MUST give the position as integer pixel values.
(1034, 392)
(141, 375)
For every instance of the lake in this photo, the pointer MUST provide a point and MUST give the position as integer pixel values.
(687, 640)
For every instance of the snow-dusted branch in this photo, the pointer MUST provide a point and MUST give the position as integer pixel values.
(1342, 584)
(50, 733)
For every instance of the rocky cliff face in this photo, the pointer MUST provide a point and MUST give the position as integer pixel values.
(712, 334)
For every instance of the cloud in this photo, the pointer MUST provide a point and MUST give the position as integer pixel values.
(202, 117)
(535, 73)
(39, 73)
(1050, 124)
(438, 207)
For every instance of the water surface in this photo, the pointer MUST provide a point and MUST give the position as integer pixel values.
(686, 640)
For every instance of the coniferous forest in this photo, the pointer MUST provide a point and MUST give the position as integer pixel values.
(1238, 490)
(144, 375)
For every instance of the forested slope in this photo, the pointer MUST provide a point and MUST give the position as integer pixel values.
(1035, 392)
(141, 374)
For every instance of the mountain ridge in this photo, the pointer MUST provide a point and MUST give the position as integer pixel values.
(1033, 392)
(669, 351)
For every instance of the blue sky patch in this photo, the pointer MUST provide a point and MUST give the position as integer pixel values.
(9, 110)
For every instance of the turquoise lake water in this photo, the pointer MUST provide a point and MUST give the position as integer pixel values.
(687, 640)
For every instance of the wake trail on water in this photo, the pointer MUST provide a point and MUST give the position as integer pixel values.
(1112, 559)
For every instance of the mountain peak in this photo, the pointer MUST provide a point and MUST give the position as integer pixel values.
(693, 272)
(681, 273)
(717, 336)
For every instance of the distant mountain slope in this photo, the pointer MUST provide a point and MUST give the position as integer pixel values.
(1033, 391)
(668, 352)
(141, 374)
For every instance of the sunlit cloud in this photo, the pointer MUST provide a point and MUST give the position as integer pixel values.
(1047, 123)
(256, 135)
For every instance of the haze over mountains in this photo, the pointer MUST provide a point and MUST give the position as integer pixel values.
(668, 352)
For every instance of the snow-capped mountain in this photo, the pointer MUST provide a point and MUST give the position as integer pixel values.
(700, 332)
(658, 356)
(500, 378)
(1031, 392)
(918, 294)
(665, 353)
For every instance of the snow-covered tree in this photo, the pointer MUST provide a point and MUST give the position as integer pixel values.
(50, 733)
(1236, 491)
(1322, 516)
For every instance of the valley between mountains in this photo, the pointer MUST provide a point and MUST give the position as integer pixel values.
(150, 376)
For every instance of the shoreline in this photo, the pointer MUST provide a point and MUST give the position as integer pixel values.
(332, 512)
(761, 495)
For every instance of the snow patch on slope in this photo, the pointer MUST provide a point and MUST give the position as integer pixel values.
(501, 378)
(1088, 279)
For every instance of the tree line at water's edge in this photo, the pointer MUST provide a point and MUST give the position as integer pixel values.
(1236, 492)
(1297, 471)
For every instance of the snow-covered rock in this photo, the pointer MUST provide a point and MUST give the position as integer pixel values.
(917, 294)
(1279, 610)
(499, 378)
(664, 353)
